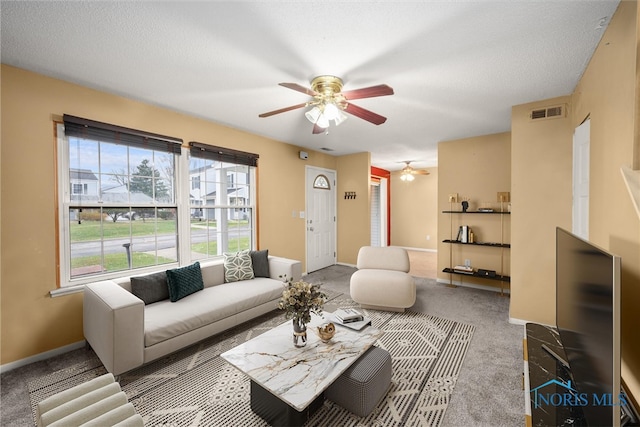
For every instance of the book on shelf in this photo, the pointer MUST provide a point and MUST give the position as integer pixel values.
(463, 269)
(465, 235)
(348, 315)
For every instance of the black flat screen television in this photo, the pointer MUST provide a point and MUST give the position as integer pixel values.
(588, 320)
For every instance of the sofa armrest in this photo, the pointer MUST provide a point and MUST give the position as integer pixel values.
(284, 266)
(113, 321)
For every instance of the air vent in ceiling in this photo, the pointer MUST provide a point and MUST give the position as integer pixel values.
(554, 112)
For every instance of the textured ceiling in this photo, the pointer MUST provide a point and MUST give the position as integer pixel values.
(456, 67)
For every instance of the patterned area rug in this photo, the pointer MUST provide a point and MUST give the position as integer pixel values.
(195, 387)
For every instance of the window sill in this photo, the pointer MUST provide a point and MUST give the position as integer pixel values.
(67, 290)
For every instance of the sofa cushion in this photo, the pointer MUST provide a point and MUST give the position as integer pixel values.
(260, 263)
(237, 266)
(184, 281)
(150, 288)
(212, 272)
(164, 320)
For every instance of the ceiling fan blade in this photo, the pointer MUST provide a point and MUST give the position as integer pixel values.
(283, 110)
(368, 92)
(317, 129)
(364, 114)
(299, 88)
(420, 172)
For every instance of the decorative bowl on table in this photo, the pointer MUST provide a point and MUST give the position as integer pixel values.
(326, 331)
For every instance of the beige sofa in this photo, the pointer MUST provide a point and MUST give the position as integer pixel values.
(382, 281)
(125, 333)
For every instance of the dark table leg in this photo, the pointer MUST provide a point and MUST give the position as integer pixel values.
(278, 413)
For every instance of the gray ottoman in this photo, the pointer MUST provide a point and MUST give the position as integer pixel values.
(361, 387)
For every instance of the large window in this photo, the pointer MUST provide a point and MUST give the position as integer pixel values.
(120, 212)
(130, 201)
(222, 200)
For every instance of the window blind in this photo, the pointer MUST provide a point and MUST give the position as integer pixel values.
(91, 129)
(222, 154)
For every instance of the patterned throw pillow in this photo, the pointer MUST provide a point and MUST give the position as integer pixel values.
(238, 266)
(184, 281)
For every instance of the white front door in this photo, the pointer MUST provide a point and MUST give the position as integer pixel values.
(581, 144)
(321, 218)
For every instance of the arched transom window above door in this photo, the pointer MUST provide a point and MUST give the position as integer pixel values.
(321, 182)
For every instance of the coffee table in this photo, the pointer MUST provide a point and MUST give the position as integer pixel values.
(287, 382)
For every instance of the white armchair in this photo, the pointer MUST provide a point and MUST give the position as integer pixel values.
(382, 281)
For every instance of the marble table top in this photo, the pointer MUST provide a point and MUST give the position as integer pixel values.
(299, 375)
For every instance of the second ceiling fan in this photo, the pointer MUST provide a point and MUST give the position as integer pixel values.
(407, 173)
(329, 102)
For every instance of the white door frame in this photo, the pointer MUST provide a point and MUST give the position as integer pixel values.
(580, 183)
(381, 225)
(309, 187)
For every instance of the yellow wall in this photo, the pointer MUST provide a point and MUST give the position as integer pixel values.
(607, 92)
(31, 321)
(541, 201)
(476, 169)
(542, 164)
(414, 211)
(354, 215)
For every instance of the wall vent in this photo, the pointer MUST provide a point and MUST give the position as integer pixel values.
(554, 112)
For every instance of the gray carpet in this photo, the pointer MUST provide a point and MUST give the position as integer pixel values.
(487, 392)
(195, 387)
(489, 389)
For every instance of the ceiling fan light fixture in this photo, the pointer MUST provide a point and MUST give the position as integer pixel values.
(341, 118)
(322, 121)
(331, 112)
(408, 177)
(313, 115)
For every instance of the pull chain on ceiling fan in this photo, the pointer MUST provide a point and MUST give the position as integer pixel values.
(329, 102)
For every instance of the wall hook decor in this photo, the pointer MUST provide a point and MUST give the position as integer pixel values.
(349, 194)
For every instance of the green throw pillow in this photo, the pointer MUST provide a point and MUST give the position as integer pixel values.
(184, 281)
(237, 266)
(260, 262)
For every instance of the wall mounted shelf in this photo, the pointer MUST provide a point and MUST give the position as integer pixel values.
(495, 245)
(476, 274)
(477, 212)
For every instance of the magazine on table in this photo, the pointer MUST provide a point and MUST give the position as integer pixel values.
(348, 315)
(356, 325)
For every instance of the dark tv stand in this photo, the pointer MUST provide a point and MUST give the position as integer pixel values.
(543, 368)
(546, 370)
(556, 356)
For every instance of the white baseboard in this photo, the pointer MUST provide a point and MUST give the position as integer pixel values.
(346, 265)
(419, 249)
(41, 356)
